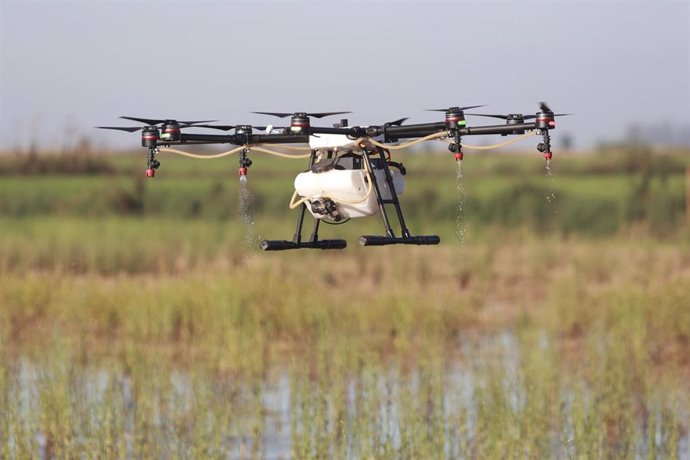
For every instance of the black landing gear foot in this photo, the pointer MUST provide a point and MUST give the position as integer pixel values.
(369, 240)
(283, 245)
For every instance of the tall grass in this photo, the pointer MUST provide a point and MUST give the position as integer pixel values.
(135, 323)
(538, 349)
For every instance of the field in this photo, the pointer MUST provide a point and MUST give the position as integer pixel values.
(138, 319)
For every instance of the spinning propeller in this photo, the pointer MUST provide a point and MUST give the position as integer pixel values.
(514, 118)
(226, 127)
(545, 117)
(153, 122)
(455, 116)
(299, 121)
(302, 114)
(397, 122)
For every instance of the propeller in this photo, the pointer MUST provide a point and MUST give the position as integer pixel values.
(121, 128)
(219, 127)
(545, 118)
(398, 122)
(155, 121)
(131, 129)
(315, 114)
(455, 109)
(514, 116)
(225, 127)
(502, 117)
(151, 122)
(543, 107)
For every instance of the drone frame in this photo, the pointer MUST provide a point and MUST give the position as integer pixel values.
(300, 131)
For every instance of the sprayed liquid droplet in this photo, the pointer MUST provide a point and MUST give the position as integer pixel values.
(551, 195)
(246, 217)
(460, 221)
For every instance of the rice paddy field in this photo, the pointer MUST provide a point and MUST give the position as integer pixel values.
(138, 319)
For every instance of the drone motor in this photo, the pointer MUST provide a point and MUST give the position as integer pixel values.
(150, 136)
(299, 123)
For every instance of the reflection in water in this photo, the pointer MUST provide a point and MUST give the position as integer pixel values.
(500, 391)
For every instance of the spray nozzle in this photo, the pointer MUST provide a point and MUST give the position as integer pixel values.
(152, 162)
(456, 149)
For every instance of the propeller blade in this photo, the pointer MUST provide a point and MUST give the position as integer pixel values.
(544, 108)
(275, 114)
(529, 117)
(315, 115)
(458, 108)
(503, 117)
(220, 127)
(472, 107)
(120, 128)
(153, 121)
(398, 122)
(224, 127)
(325, 114)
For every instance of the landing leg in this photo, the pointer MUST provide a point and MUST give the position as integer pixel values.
(297, 243)
(371, 240)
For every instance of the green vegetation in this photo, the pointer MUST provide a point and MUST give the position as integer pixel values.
(136, 321)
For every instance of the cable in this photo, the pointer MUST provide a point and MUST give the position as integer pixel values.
(288, 147)
(293, 204)
(408, 144)
(356, 142)
(231, 152)
(495, 146)
(201, 157)
(336, 223)
(278, 154)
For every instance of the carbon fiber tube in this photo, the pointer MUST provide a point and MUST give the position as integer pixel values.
(371, 240)
(283, 245)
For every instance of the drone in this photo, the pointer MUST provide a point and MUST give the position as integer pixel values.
(350, 173)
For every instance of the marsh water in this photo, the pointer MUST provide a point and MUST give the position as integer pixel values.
(436, 409)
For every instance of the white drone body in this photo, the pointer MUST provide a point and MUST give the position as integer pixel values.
(338, 186)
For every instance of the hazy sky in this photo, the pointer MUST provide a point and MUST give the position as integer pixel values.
(67, 66)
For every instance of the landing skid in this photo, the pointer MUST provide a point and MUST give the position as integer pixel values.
(283, 245)
(369, 240)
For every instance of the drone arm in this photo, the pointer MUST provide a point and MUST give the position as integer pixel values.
(496, 129)
(278, 139)
(418, 130)
(207, 139)
(241, 139)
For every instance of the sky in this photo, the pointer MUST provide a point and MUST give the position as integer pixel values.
(67, 66)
